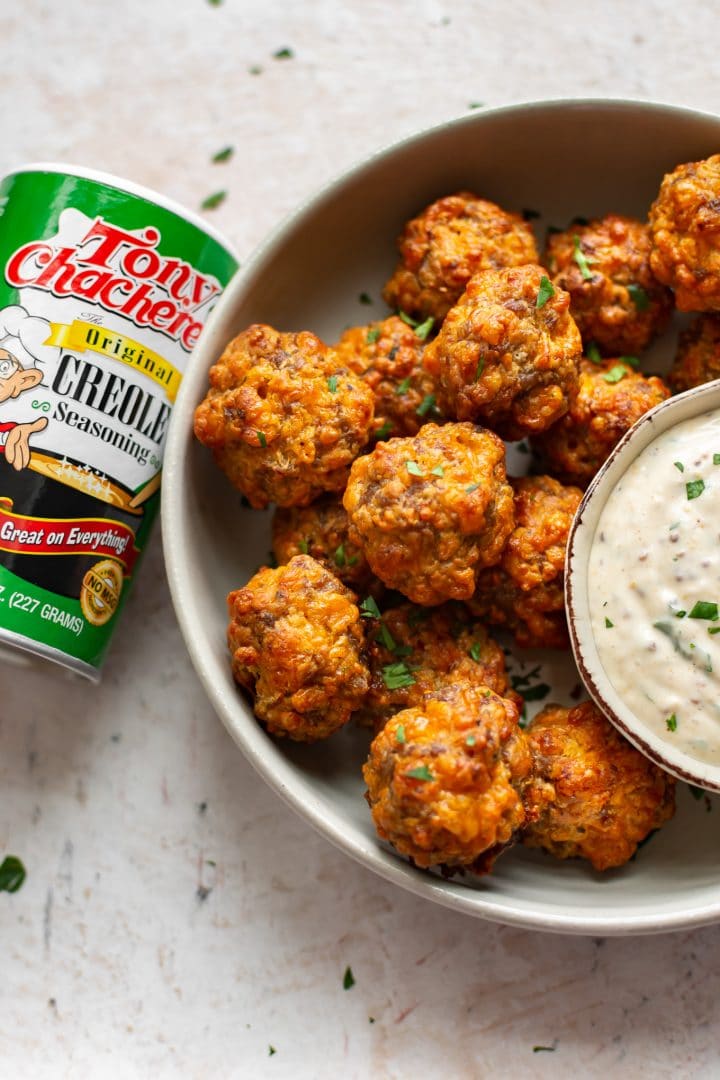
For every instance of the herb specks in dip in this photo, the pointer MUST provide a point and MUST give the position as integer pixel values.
(654, 587)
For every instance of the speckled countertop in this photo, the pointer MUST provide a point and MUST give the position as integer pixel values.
(177, 918)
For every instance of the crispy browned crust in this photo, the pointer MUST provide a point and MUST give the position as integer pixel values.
(698, 354)
(501, 360)
(600, 413)
(525, 591)
(617, 249)
(446, 244)
(427, 530)
(478, 762)
(297, 645)
(685, 226)
(595, 795)
(283, 417)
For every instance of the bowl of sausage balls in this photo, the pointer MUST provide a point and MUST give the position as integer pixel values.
(373, 467)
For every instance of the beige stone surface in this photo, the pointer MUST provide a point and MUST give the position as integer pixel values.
(177, 919)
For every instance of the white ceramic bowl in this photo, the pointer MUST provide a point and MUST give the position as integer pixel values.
(559, 158)
(661, 749)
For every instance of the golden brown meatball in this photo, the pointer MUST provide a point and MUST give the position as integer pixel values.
(615, 299)
(321, 530)
(525, 591)
(446, 244)
(685, 227)
(297, 645)
(610, 397)
(430, 511)
(418, 653)
(507, 353)
(598, 797)
(698, 355)
(283, 417)
(445, 780)
(387, 355)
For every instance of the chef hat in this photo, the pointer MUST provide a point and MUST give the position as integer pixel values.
(24, 336)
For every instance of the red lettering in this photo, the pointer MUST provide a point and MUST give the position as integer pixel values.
(15, 269)
(110, 240)
(141, 263)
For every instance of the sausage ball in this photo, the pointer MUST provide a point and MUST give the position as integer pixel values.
(615, 299)
(387, 355)
(429, 512)
(610, 397)
(598, 797)
(283, 417)
(297, 645)
(507, 353)
(446, 244)
(446, 779)
(321, 530)
(418, 653)
(685, 226)
(698, 354)
(525, 591)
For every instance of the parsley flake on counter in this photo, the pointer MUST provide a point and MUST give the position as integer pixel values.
(364, 298)
(403, 387)
(545, 292)
(12, 874)
(475, 104)
(539, 1049)
(255, 70)
(397, 676)
(536, 693)
(681, 613)
(384, 431)
(427, 403)
(582, 260)
(593, 353)
(704, 609)
(671, 722)
(679, 466)
(348, 979)
(716, 459)
(423, 329)
(211, 202)
(694, 489)
(420, 773)
(271, 1050)
(713, 629)
(223, 155)
(400, 733)
(369, 608)
(372, 335)
(413, 468)
(608, 623)
(474, 651)
(304, 546)
(283, 54)
(639, 297)
(615, 374)
(261, 438)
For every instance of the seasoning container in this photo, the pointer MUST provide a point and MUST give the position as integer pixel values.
(104, 289)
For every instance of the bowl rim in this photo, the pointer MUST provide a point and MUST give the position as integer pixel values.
(674, 410)
(250, 738)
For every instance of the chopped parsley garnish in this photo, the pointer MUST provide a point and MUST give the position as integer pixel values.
(332, 384)
(408, 319)
(271, 1050)
(472, 487)
(437, 471)
(680, 614)
(474, 651)
(593, 353)
(639, 297)
(283, 54)
(475, 104)
(582, 259)
(716, 459)
(694, 488)
(671, 722)
(704, 609)
(397, 676)
(348, 979)
(384, 431)
(413, 468)
(538, 1049)
(713, 629)
(545, 292)
(420, 773)
(369, 608)
(12, 874)
(386, 637)
(615, 374)
(536, 693)
(427, 403)
(480, 368)
(223, 155)
(631, 361)
(423, 329)
(363, 298)
(404, 386)
(679, 466)
(372, 335)
(340, 559)
(304, 546)
(608, 623)
(255, 70)
(470, 740)
(400, 733)
(213, 201)
(261, 438)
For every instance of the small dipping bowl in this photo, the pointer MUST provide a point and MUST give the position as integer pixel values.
(693, 403)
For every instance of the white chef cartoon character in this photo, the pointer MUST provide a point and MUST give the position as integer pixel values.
(22, 346)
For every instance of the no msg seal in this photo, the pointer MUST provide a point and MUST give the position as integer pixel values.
(104, 290)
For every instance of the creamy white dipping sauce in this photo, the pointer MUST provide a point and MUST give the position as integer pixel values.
(654, 586)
